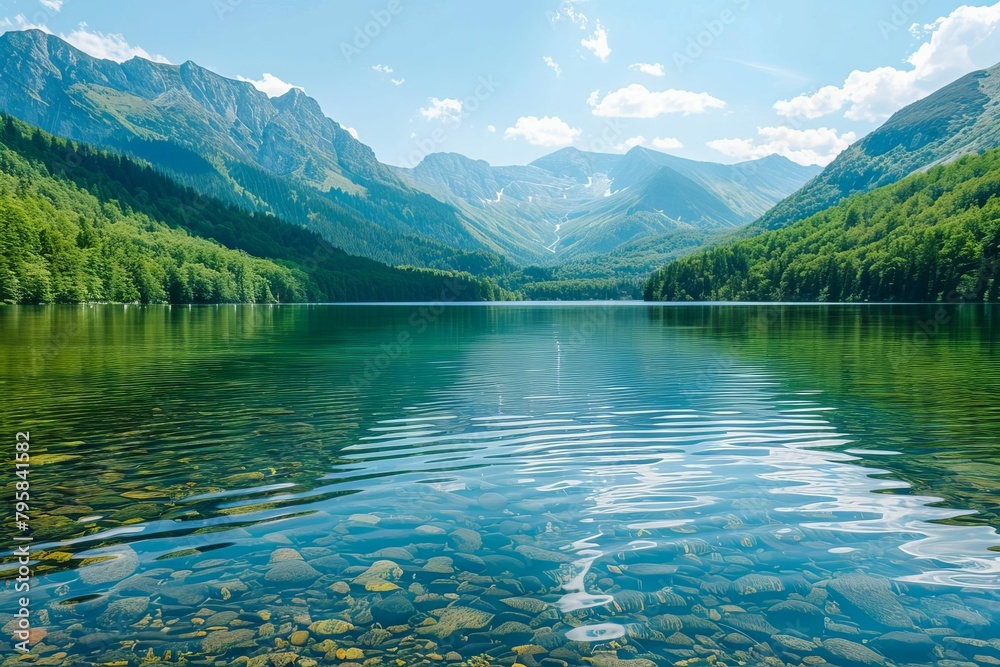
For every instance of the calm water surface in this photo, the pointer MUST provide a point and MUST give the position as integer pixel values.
(616, 486)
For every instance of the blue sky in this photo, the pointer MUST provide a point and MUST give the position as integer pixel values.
(720, 80)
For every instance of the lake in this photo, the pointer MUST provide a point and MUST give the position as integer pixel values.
(545, 484)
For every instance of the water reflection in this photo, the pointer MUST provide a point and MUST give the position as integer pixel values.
(654, 484)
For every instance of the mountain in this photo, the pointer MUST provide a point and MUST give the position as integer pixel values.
(228, 140)
(78, 224)
(959, 119)
(574, 202)
(934, 236)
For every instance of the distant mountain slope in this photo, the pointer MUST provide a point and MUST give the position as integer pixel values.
(78, 224)
(229, 140)
(932, 236)
(573, 202)
(961, 118)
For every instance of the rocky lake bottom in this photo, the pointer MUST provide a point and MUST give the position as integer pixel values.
(532, 486)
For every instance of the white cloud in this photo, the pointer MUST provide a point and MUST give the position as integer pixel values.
(491, 128)
(819, 146)
(785, 73)
(111, 46)
(659, 143)
(568, 12)
(598, 43)
(629, 144)
(666, 144)
(385, 69)
(270, 85)
(963, 41)
(547, 131)
(448, 110)
(655, 69)
(54, 5)
(636, 101)
(398, 82)
(19, 22)
(350, 130)
(552, 64)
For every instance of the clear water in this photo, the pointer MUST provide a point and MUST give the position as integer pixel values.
(547, 485)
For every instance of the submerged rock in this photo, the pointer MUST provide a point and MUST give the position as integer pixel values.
(381, 570)
(492, 501)
(292, 571)
(393, 610)
(118, 564)
(125, 611)
(532, 605)
(852, 653)
(465, 540)
(283, 554)
(755, 584)
(797, 614)
(330, 627)
(188, 595)
(452, 619)
(536, 554)
(754, 625)
(871, 596)
(221, 641)
(794, 643)
(910, 646)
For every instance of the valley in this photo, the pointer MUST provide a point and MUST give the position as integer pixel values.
(571, 224)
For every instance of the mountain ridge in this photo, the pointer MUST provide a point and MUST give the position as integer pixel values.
(961, 118)
(257, 147)
(933, 236)
(79, 225)
(601, 200)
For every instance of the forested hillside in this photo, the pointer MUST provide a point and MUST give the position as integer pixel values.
(932, 236)
(78, 224)
(223, 137)
(960, 119)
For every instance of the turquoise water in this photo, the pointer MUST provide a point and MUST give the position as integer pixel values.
(487, 485)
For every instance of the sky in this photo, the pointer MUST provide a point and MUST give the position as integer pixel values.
(509, 81)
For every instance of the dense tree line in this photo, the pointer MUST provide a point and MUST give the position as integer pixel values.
(932, 236)
(595, 289)
(79, 224)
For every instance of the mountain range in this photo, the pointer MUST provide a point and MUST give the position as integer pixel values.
(960, 119)
(284, 157)
(571, 224)
(574, 202)
(228, 140)
(80, 224)
(909, 212)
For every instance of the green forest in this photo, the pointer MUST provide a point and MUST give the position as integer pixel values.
(82, 225)
(933, 236)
